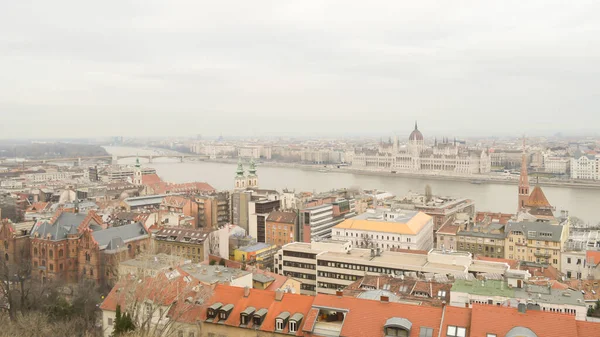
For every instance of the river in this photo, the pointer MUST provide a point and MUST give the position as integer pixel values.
(579, 202)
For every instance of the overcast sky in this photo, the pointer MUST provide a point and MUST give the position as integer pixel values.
(140, 68)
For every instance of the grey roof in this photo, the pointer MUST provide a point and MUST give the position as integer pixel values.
(261, 312)
(111, 236)
(543, 294)
(520, 331)
(227, 307)
(65, 224)
(284, 315)
(399, 322)
(297, 317)
(376, 295)
(216, 305)
(147, 200)
(262, 278)
(213, 274)
(536, 230)
(248, 311)
(400, 216)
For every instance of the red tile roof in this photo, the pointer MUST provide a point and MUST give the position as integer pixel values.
(592, 257)
(150, 179)
(588, 329)
(367, 317)
(500, 320)
(259, 299)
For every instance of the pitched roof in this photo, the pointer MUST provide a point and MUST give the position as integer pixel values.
(537, 198)
(64, 223)
(283, 217)
(592, 257)
(150, 179)
(165, 288)
(181, 234)
(124, 233)
(500, 320)
(258, 299)
(587, 329)
(514, 264)
(175, 201)
(376, 313)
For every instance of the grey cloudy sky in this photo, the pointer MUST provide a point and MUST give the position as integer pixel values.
(140, 68)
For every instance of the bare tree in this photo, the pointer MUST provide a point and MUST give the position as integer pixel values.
(213, 243)
(366, 241)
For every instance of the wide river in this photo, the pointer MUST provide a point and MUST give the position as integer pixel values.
(579, 202)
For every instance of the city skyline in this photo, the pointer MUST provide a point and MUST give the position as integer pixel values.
(297, 69)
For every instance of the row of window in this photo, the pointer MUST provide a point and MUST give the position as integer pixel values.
(299, 265)
(357, 267)
(299, 254)
(339, 276)
(376, 237)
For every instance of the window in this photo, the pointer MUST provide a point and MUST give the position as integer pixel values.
(393, 331)
(426, 332)
(491, 335)
(88, 257)
(148, 309)
(51, 267)
(456, 331)
(293, 326)
(110, 321)
(279, 325)
(60, 267)
(180, 333)
(50, 253)
(191, 334)
(60, 253)
(35, 251)
(568, 260)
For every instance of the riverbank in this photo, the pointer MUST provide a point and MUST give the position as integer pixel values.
(475, 179)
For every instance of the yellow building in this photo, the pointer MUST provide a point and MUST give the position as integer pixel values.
(260, 254)
(540, 242)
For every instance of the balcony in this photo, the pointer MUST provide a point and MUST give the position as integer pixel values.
(542, 254)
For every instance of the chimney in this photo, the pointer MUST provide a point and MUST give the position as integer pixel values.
(384, 299)
(278, 294)
(339, 293)
(246, 291)
(372, 252)
(443, 303)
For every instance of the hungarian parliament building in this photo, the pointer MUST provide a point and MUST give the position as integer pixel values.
(445, 156)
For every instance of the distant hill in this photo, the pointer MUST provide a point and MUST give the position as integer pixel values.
(50, 150)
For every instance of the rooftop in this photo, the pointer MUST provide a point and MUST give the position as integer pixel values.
(407, 222)
(255, 247)
(213, 274)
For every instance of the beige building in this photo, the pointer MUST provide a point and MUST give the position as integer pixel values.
(540, 242)
(387, 229)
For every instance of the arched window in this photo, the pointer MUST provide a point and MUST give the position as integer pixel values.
(84, 271)
(6, 244)
(60, 253)
(43, 263)
(35, 251)
(44, 252)
(51, 254)
(88, 257)
(6, 257)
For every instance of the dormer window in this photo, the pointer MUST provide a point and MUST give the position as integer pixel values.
(397, 326)
(295, 321)
(259, 317)
(225, 311)
(246, 316)
(281, 321)
(211, 312)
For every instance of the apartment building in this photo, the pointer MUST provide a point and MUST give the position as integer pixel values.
(281, 228)
(540, 242)
(192, 244)
(259, 211)
(387, 229)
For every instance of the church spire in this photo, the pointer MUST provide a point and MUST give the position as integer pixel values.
(416, 128)
(523, 180)
(240, 168)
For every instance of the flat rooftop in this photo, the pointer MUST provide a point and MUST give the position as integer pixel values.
(213, 274)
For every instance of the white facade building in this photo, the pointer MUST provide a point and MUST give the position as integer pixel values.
(443, 157)
(329, 265)
(585, 167)
(556, 164)
(386, 229)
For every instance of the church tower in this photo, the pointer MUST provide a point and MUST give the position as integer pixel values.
(252, 177)
(240, 179)
(137, 173)
(523, 181)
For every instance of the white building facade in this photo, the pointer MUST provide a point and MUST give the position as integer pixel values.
(585, 167)
(556, 164)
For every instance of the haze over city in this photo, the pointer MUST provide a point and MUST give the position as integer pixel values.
(243, 68)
